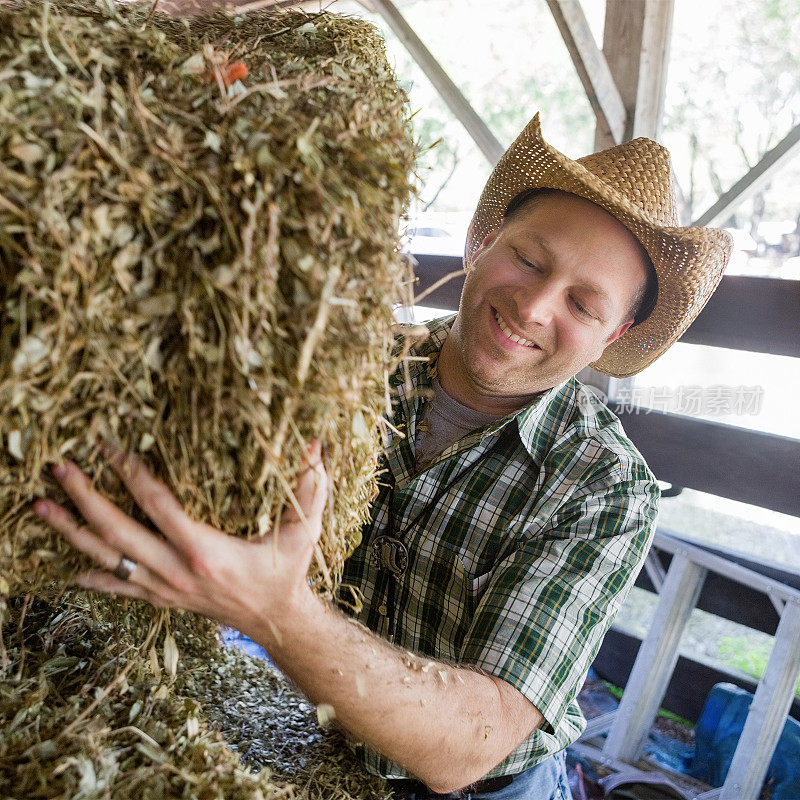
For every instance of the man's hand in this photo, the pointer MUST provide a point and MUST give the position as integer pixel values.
(195, 567)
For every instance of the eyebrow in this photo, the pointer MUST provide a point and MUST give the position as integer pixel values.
(548, 251)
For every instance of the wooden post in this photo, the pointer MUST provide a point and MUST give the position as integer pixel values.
(636, 37)
(654, 570)
(591, 66)
(656, 660)
(648, 115)
(754, 180)
(768, 712)
(474, 125)
(636, 41)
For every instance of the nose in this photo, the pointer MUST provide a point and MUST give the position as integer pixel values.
(536, 302)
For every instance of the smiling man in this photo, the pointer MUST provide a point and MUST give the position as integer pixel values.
(514, 514)
(548, 291)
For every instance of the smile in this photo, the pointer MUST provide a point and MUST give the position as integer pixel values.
(509, 334)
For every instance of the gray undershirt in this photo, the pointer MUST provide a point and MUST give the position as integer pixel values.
(443, 422)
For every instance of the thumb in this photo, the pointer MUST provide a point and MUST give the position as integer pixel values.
(310, 492)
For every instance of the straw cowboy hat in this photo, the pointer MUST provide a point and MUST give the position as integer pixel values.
(633, 182)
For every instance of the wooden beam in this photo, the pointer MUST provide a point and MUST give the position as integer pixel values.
(654, 571)
(761, 315)
(656, 38)
(691, 681)
(656, 660)
(754, 180)
(594, 754)
(713, 562)
(474, 125)
(591, 66)
(725, 460)
(636, 39)
(727, 598)
(599, 726)
(768, 712)
(658, 656)
(622, 38)
(429, 270)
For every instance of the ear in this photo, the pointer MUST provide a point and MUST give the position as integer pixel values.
(485, 244)
(618, 332)
(487, 241)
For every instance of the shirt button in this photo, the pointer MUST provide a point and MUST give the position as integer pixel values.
(383, 611)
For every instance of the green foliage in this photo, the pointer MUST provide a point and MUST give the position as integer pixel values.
(686, 723)
(748, 657)
(615, 691)
(509, 61)
(733, 92)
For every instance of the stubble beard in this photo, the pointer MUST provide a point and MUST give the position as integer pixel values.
(493, 371)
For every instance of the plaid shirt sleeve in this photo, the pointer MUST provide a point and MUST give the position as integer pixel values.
(549, 603)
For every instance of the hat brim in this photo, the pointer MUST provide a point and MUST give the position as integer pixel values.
(688, 261)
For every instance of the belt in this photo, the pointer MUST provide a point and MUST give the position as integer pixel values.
(419, 791)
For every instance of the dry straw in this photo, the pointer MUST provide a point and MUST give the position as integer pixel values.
(198, 225)
(152, 730)
(200, 271)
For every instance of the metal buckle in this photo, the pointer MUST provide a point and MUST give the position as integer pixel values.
(390, 554)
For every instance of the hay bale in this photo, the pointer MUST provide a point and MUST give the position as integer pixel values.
(196, 265)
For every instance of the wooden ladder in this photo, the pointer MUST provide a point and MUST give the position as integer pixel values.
(679, 588)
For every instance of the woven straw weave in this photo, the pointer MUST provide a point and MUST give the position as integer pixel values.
(633, 182)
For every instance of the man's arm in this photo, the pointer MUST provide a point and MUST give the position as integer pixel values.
(548, 604)
(448, 726)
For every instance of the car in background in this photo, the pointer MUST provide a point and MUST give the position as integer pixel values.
(435, 233)
(433, 241)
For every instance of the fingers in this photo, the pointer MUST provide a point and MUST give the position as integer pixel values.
(142, 582)
(81, 538)
(310, 491)
(154, 498)
(106, 582)
(114, 531)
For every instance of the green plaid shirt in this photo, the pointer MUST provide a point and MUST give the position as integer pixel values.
(519, 569)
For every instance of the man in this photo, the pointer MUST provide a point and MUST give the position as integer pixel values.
(511, 528)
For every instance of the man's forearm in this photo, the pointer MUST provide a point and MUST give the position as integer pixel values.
(446, 725)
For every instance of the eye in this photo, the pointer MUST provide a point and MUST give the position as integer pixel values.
(582, 310)
(524, 261)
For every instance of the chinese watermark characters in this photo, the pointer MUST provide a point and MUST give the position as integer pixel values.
(717, 400)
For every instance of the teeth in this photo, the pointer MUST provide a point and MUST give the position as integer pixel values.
(508, 333)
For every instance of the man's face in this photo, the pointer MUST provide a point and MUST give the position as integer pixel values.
(546, 294)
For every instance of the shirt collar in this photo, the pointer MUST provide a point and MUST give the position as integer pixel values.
(425, 354)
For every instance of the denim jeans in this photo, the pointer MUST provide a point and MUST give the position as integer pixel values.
(545, 781)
